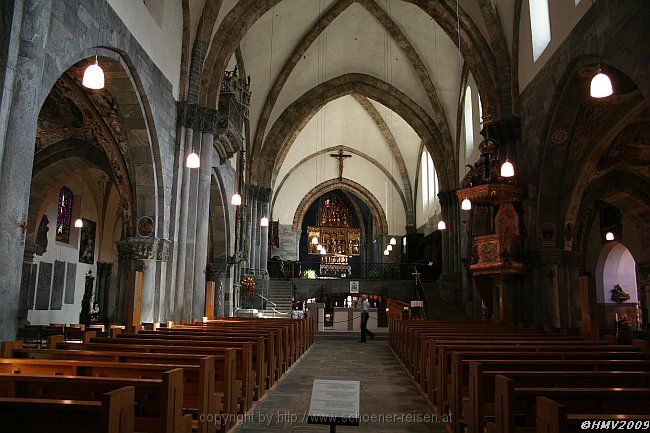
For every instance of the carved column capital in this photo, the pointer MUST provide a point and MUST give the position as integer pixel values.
(185, 113)
(143, 249)
(447, 198)
(209, 120)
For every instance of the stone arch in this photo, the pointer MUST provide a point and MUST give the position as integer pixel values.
(124, 63)
(54, 165)
(473, 46)
(616, 265)
(347, 185)
(626, 191)
(576, 132)
(407, 202)
(268, 159)
(219, 233)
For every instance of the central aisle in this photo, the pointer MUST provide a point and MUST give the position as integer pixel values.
(386, 391)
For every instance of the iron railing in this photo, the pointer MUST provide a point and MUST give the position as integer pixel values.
(362, 271)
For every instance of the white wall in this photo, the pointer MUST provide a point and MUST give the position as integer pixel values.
(68, 252)
(162, 41)
(564, 15)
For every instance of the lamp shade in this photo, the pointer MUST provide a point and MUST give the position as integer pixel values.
(389, 247)
(78, 223)
(319, 247)
(507, 169)
(264, 222)
(323, 251)
(386, 252)
(442, 225)
(236, 199)
(609, 236)
(601, 85)
(466, 204)
(314, 240)
(193, 160)
(93, 77)
(393, 241)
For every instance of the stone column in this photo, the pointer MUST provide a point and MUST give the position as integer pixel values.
(264, 231)
(26, 281)
(141, 254)
(181, 252)
(210, 118)
(450, 278)
(18, 155)
(643, 282)
(190, 234)
(167, 308)
(255, 224)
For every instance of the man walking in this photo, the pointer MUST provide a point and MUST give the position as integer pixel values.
(365, 315)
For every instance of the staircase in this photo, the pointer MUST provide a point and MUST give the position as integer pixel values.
(437, 308)
(280, 298)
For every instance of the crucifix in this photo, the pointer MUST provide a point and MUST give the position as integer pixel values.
(340, 156)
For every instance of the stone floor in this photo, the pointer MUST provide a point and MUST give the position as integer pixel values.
(386, 391)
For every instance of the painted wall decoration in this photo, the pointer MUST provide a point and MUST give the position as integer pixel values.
(87, 244)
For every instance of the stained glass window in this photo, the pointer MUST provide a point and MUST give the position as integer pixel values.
(64, 215)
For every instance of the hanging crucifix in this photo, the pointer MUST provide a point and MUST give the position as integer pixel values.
(340, 156)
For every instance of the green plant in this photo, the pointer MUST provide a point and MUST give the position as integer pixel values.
(308, 273)
(374, 273)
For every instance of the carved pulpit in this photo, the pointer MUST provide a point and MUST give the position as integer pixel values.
(335, 235)
(494, 227)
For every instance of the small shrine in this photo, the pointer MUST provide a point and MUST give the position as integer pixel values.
(333, 239)
(490, 191)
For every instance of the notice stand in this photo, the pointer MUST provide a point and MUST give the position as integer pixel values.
(334, 402)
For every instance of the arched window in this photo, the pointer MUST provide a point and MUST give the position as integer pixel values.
(540, 26)
(432, 178)
(428, 181)
(469, 122)
(423, 181)
(64, 215)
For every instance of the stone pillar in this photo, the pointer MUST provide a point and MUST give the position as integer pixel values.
(167, 308)
(450, 279)
(264, 231)
(190, 234)
(181, 252)
(643, 282)
(141, 254)
(210, 118)
(26, 281)
(255, 224)
(18, 154)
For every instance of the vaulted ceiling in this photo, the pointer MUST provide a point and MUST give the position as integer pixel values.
(386, 76)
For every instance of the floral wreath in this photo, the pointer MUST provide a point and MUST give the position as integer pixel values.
(249, 283)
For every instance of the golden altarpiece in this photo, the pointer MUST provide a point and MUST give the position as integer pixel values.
(333, 238)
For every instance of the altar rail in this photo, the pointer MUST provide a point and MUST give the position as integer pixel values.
(354, 271)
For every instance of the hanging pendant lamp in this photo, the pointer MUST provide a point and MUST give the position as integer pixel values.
(78, 223)
(236, 199)
(466, 204)
(601, 85)
(507, 169)
(93, 76)
(389, 247)
(393, 241)
(442, 225)
(264, 222)
(193, 160)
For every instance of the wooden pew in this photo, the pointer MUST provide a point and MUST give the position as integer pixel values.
(198, 382)
(513, 402)
(159, 403)
(248, 351)
(480, 402)
(553, 417)
(242, 382)
(452, 387)
(276, 341)
(113, 414)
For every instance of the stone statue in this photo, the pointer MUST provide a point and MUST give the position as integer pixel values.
(618, 295)
(87, 302)
(41, 236)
